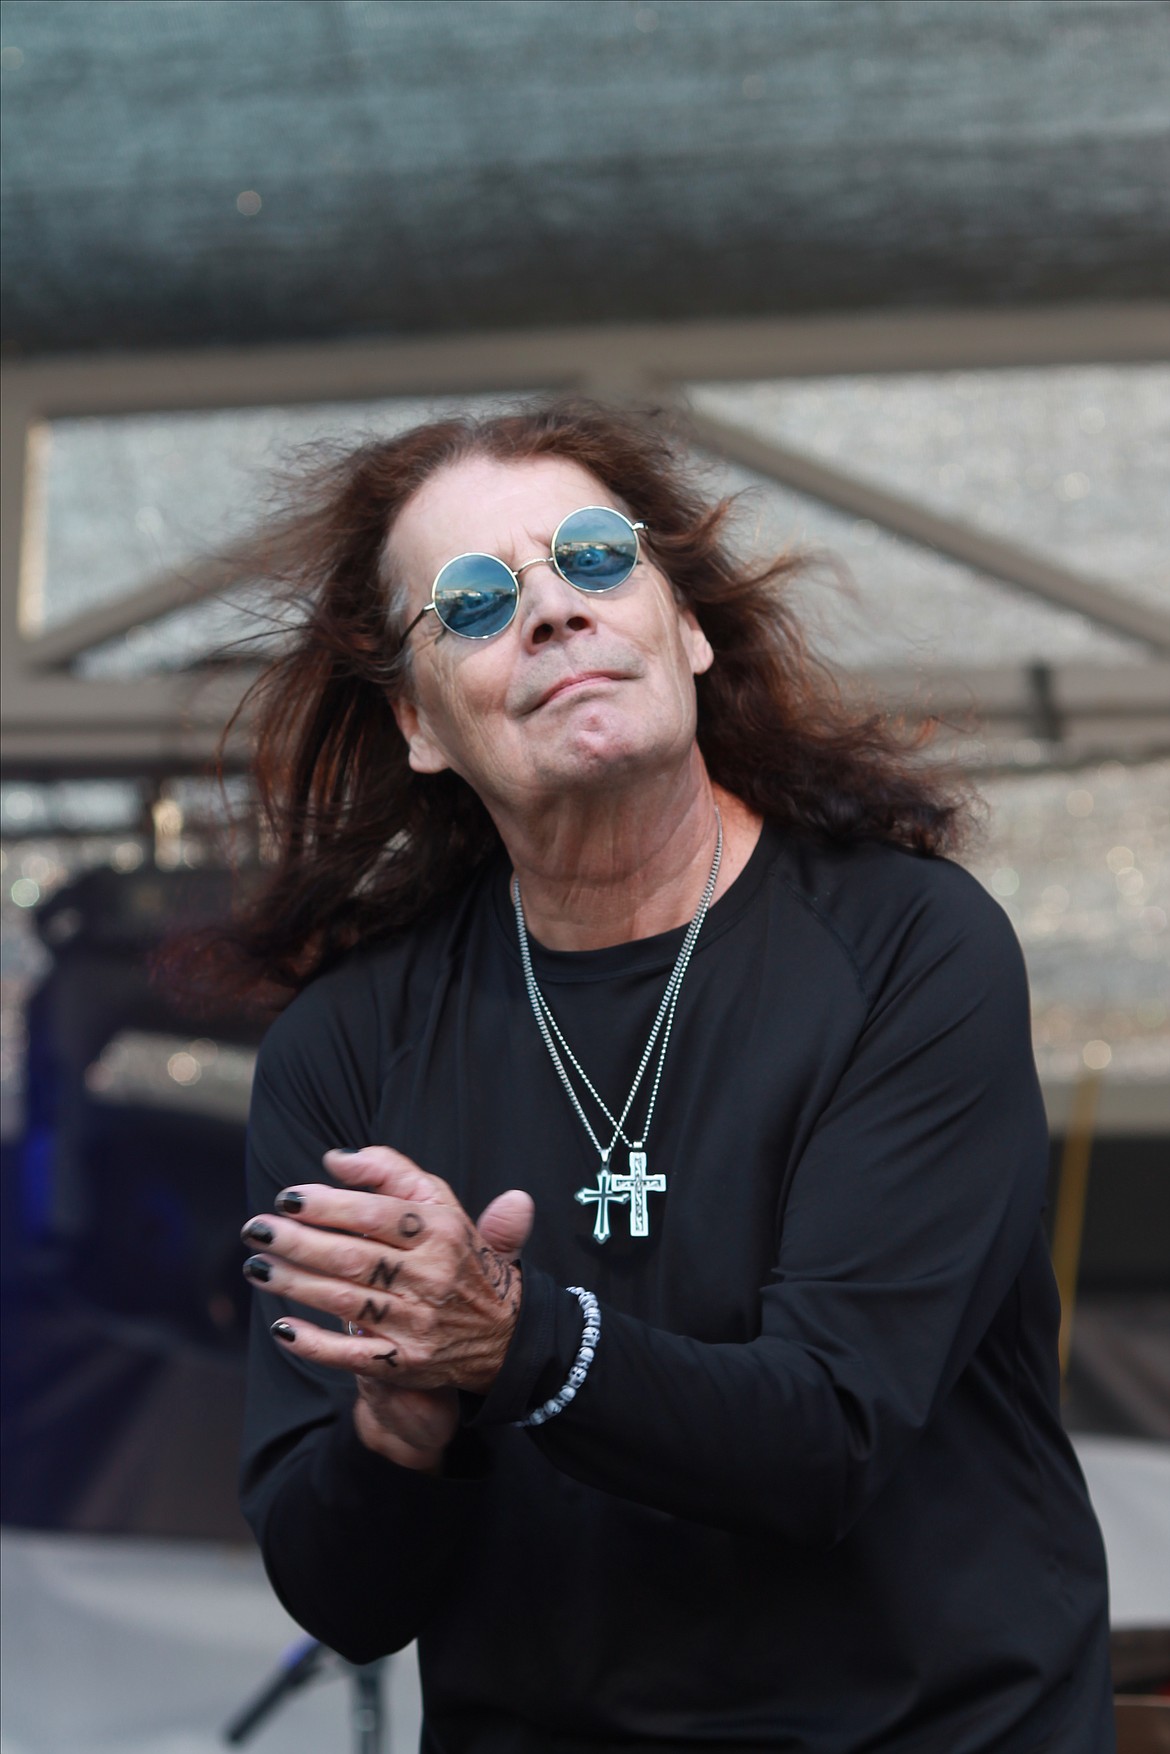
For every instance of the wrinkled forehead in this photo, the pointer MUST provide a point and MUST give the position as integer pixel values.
(483, 505)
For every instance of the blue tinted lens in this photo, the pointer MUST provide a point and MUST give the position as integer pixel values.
(595, 549)
(475, 595)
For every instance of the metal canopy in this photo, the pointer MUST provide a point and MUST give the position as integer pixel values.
(189, 172)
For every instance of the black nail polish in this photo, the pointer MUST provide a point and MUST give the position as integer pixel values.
(256, 1267)
(258, 1231)
(347, 1150)
(290, 1201)
(283, 1332)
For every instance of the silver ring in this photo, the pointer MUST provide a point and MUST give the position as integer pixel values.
(355, 1332)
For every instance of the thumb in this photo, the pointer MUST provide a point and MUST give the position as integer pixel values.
(506, 1224)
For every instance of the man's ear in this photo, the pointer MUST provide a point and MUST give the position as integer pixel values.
(698, 645)
(423, 753)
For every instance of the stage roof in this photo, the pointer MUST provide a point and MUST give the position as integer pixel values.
(189, 172)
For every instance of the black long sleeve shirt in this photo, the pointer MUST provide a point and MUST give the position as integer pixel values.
(814, 1495)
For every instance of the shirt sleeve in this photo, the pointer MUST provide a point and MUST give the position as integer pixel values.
(908, 1219)
(358, 1549)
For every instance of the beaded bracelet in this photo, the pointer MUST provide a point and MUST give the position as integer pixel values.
(584, 1358)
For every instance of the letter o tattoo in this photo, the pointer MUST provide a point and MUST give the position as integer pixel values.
(410, 1224)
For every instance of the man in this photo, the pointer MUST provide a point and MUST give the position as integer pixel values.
(626, 936)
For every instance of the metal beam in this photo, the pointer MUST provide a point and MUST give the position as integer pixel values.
(1071, 715)
(960, 541)
(1079, 693)
(172, 725)
(162, 595)
(1133, 1108)
(620, 356)
(156, 724)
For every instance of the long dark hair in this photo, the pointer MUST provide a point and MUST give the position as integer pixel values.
(359, 845)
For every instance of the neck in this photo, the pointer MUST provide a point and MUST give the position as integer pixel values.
(605, 871)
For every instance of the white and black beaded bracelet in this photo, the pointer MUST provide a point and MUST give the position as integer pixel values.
(592, 1313)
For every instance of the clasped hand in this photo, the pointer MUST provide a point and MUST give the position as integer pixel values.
(431, 1299)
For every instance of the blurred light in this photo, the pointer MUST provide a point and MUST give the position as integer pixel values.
(1055, 898)
(1119, 859)
(1096, 1055)
(249, 202)
(40, 869)
(1074, 486)
(1154, 920)
(1079, 802)
(204, 1051)
(184, 1068)
(1027, 752)
(25, 893)
(1091, 419)
(126, 856)
(63, 926)
(148, 520)
(19, 805)
(168, 828)
(1005, 881)
(11, 59)
(1131, 884)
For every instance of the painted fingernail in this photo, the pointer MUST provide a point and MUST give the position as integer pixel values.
(258, 1231)
(284, 1332)
(347, 1150)
(256, 1267)
(290, 1201)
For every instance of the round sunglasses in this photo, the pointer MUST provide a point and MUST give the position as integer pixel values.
(475, 595)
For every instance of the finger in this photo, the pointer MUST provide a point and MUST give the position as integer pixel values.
(365, 1308)
(401, 1223)
(506, 1224)
(380, 1170)
(337, 1254)
(360, 1355)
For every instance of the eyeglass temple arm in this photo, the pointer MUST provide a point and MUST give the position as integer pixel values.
(425, 610)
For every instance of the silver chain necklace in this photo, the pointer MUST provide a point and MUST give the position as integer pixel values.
(623, 1190)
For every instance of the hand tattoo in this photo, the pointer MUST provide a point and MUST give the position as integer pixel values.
(410, 1224)
(383, 1276)
(373, 1312)
(390, 1358)
(498, 1273)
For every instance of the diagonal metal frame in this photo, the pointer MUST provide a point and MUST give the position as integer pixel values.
(950, 536)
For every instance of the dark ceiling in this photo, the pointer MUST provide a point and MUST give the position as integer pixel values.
(439, 165)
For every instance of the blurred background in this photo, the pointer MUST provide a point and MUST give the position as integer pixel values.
(906, 264)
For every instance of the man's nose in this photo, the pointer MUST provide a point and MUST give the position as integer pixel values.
(549, 607)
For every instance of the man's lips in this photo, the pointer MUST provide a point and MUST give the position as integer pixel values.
(564, 684)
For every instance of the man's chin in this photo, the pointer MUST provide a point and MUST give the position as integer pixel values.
(592, 762)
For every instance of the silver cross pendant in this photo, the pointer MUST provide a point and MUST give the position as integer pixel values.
(638, 1184)
(603, 1195)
